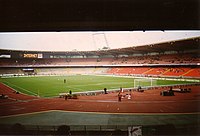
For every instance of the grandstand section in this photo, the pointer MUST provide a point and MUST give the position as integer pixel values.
(176, 72)
(129, 60)
(180, 72)
(169, 61)
(69, 71)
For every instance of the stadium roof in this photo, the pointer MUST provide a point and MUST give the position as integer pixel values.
(184, 45)
(81, 15)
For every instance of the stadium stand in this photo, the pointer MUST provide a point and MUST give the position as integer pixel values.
(10, 71)
(168, 61)
(150, 59)
(158, 71)
(173, 65)
(192, 73)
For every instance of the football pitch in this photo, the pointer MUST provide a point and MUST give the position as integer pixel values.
(50, 86)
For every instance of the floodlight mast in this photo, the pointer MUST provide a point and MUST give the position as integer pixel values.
(105, 38)
(106, 41)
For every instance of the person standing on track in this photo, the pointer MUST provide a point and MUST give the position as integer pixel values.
(130, 94)
(119, 96)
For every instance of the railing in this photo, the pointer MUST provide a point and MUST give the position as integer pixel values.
(124, 130)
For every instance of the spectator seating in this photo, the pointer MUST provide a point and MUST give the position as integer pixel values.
(149, 59)
(157, 71)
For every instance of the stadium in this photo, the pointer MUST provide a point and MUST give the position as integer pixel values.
(149, 89)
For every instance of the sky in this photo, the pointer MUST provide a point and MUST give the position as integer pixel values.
(86, 40)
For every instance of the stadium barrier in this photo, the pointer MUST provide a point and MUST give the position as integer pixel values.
(145, 88)
(104, 130)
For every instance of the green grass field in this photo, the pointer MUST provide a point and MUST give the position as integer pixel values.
(49, 86)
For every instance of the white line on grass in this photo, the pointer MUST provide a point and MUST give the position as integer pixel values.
(75, 88)
(103, 83)
(19, 88)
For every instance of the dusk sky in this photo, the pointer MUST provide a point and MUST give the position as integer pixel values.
(87, 41)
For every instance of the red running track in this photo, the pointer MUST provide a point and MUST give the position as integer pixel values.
(149, 101)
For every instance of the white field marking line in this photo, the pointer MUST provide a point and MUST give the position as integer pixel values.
(88, 91)
(75, 88)
(103, 83)
(19, 88)
(103, 113)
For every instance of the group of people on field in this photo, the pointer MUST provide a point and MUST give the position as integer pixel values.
(122, 95)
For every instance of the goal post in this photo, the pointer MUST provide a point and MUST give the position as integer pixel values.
(144, 82)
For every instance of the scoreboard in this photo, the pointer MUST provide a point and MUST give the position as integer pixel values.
(32, 55)
(35, 55)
